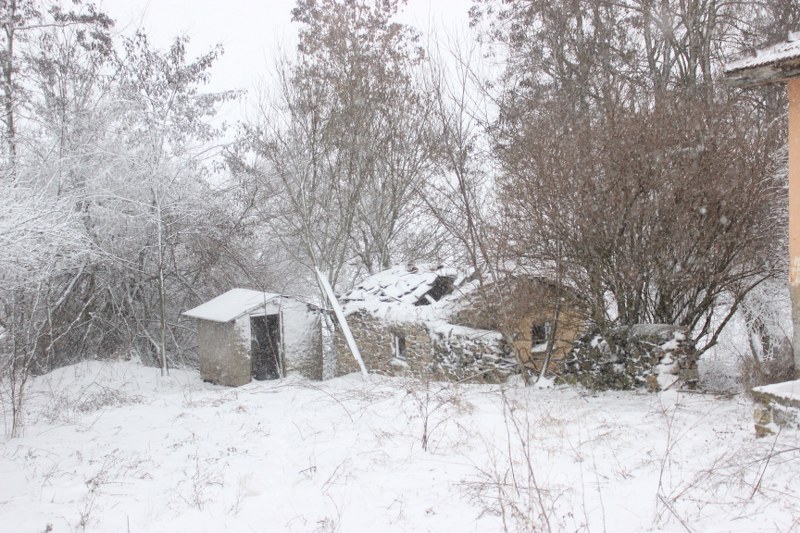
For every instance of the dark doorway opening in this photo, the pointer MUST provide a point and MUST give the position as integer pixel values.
(265, 341)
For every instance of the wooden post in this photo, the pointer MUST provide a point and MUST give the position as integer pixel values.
(337, 310)
(794, 215)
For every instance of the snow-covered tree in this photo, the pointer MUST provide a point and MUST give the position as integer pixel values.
(110, 223)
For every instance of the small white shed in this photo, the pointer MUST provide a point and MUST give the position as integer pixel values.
(245, 334)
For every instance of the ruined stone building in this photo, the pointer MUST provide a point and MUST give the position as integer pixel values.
(441, 322)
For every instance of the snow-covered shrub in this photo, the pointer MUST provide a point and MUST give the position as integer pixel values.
(766, 314)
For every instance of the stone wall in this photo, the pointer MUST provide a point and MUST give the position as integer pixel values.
(568, 328)
(442, 352)
(514, 306)
(374, 340)
(649, 356)
(475, 356)
(776, 406)
(224, 351)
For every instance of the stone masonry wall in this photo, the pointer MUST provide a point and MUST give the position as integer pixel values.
(440, 353)
(776, 406)
(477, 358)
(649, 356)
(374, 340)
(224, 351)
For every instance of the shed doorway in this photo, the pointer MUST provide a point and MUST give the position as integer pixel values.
(265, 352)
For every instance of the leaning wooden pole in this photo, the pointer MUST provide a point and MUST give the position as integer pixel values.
(794, 215)
(337, 310)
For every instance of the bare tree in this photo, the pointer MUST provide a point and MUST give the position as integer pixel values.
(460, 196)
(45, 254)
(24, 22)
(624, 163)
(156, 203)
(335, 164)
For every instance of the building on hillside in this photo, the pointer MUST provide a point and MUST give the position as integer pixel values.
(439, 322)
(245, 334)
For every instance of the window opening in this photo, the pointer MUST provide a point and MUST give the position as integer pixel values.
(399, 346)
(540, 333)
(441, 287)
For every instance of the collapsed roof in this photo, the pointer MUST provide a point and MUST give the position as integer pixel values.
(406, 292)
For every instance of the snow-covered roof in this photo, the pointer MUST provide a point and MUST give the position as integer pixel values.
(789, 390)
(405, 292)
(231, 305)
(773, 64)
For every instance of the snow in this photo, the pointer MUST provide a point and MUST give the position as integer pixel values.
(393, 293)
(445, 329)
(784, 51)
(539, 348)
(400, 283)
(230, 305)
(788, 389)
(114, 447)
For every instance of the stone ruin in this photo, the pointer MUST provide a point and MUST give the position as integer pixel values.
(644, 356)
(776, 406)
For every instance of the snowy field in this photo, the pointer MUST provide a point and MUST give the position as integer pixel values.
(114, 447)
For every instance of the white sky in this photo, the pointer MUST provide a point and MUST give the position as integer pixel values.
(253, 32)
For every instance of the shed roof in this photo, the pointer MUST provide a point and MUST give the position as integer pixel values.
(230, 305)
(776, 63)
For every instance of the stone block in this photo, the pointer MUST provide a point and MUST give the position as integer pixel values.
(776, 406)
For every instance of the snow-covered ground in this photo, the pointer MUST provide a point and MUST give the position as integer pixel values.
(115, 447)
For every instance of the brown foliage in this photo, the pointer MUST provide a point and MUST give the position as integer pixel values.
(663, 211)
(776, 369)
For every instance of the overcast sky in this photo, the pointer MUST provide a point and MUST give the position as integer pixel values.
(252, 31)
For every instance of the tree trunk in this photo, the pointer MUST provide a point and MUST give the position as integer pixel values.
(794, 216)
(162, 293)
(8, 88)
